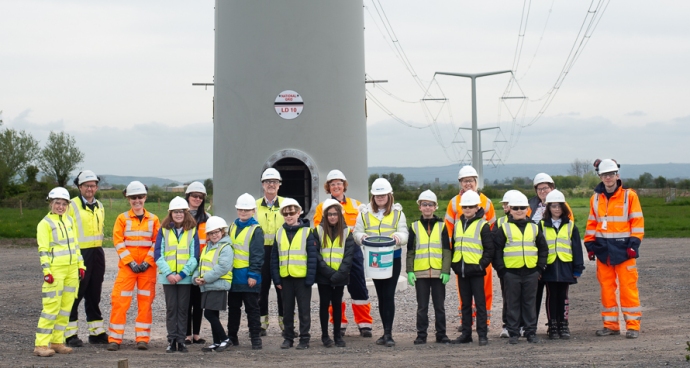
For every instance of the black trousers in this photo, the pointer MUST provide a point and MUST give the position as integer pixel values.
(557, 303)
(213, 318)
(194, 311)
(266, 285)
(521, 291)
(503, 295)
(251, 308)
(540, 297)
(294, 289)
(385, 289)
(330, 295)
(435, 288)
(176, 303)
(473, 287)
(90, 286)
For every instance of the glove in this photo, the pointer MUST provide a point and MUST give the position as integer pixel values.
(81, 273)
(632, 253)
(591, 256)
(144, 266)
(48, 278)
(411, 278)
(133, 265)
(445, 278)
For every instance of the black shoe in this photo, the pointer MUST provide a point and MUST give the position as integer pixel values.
(364, 332)
(420, 340)
(564, 330)
(381, 340)
(339, 342)
(483, 341)
(182, 348)
(74, 342)
(327, 342)
(142, 345)
(99, 339)
(462, 339)
(188, 342)
(172, 347)
(389, 340)
(210, 348)
(256, 343)
(532, 338)
(287, 344)
(552, 331)
(113, 346)
(234, 341)
(513, 340)
(303, 345)
(442, 339)
(199, 341)
(223, 345)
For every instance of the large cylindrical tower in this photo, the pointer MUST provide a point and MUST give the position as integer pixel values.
(289, 94)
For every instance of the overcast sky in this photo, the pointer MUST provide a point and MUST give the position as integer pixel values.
(117, 76)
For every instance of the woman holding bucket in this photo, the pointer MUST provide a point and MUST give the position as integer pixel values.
(383, 218)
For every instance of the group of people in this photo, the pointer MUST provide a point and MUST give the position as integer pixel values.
(206, 265)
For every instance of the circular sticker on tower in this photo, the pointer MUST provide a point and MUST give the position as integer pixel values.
(289, 104)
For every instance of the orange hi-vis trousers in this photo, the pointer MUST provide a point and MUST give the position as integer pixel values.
(121, 297)
(626, 274)
(362, 312)
(488, 294)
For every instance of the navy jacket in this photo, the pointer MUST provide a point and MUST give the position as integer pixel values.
(560, 271)
(463, 269)
(240, 282)
(328, 276)
(500, 243)
(312, 253)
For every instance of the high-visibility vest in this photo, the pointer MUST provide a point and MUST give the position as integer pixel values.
(502, 221)
(384, 227)
(209, 258)
(613, 219)
(332, 251)
(201, 230)
(350, 212)
(521, 249)
(270, 219)
(177, 250)
(560, 244)
(292, 255)
(62, 249)
(240, 244)
(468, 242)
(88, 223)
(428, 252)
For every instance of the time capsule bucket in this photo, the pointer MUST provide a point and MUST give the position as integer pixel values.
(378, 257)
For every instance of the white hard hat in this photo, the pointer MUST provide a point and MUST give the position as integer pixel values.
(381, 186)
(518, 199)
(195, 186)
(178, 203)
(335, 174)
(271, 173)
(555, 196)
(134, 188)
(330, 202)
(289, 202)
(542, 178)
(59, 193)
(214, 223)
(245, 202)
(87, 175)
(427, 195)
(467, 171)
(508, 194)
(607, 165)
(470, 198)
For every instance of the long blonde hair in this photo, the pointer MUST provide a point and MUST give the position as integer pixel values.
(389, 204)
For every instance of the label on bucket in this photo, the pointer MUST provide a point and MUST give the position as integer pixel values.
(380, 259)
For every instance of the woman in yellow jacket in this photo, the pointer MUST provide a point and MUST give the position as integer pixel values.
(63, 267)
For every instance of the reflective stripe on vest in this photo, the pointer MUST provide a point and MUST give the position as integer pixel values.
(209, 258)
(428, 252)
(560, 244)
(240, 243)
(62, 245)
(501, 221)
(521, 249)
(385, 227)
(292, 255)
(332, 251)
(624, 218)
(89, 234)
(177, 250)
(468, 242)
(131, 233)
(270, 219)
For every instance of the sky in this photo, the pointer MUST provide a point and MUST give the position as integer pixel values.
(118, 75)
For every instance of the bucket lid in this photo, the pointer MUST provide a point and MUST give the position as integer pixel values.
(379, 241)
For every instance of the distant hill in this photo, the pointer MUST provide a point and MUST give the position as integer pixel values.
(449, 174)
(148, 180)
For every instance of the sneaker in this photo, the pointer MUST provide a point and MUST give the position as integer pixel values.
(522, 331)
(99, 339)
(287, 344)
(339, 342)
(532, 338)
(182, 348)
(483, 341)
(223, 345)
(209, 348)
(462, 339)
(419, 341)
(632, 334)
(381, 340)
(607, 332)
(113, 346)
(141, 345)
(74, 342)
(365, 332)
(442, 339)
(172, 347)
(389, 340)
(513, 340)
(303, 345)
(504, 334)
(327, 342)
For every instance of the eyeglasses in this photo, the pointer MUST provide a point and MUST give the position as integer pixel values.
(332, 214)
(244, 210)
(427, 204)
(555, 206)
(544, 189)
(336, 184)
(272, 182)
(467, 181)
(135, 197)
(468, 207)
(89, 186)
(287, 214)
(178, 212)
(196, 195)
(609, 175)
(213, 233)
(518, 208)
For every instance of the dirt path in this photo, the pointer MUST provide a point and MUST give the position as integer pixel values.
(664, 289)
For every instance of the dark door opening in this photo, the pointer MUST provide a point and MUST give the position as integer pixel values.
(296, 181)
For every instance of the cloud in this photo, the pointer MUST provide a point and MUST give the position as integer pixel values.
(636, 113)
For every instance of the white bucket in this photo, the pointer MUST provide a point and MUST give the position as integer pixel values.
(378, 257)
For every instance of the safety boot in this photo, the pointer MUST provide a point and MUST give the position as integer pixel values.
(61, 348)
(364, 332)
(98, 339)
(43, 351)
(462, 339)
(142, 345)
(632, 334)
(564, 330)
(339, 342)
(256, 343)
(74, 341)
(607, 332)
(327, 341)
(113, 346)
(553, 329)
(389, 340)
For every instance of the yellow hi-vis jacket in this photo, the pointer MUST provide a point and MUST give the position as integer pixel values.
(270, 219)
(560, 244)
(57, 244)
(88, 224)
(428, 249)
(176, 252)
(521, 249)
(468, 243)
(240, 244)
(292, 255)
(332, 251)
(209, 258)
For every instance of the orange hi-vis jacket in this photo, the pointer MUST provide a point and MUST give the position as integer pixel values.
(614, 224)
(350, 206)
(134, 239)
(454, 211)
